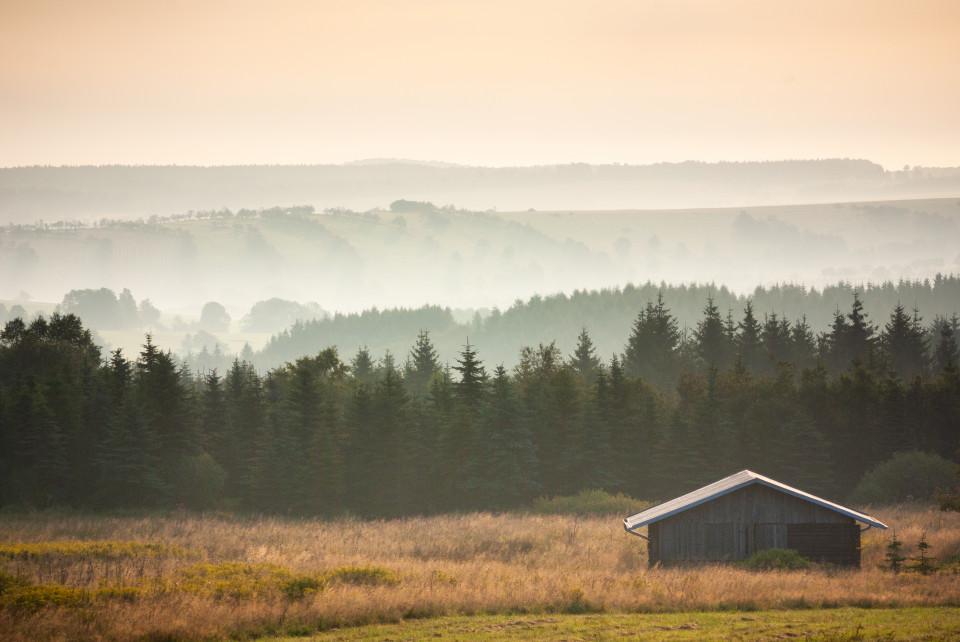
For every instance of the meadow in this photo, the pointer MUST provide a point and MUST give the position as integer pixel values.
(187, 576)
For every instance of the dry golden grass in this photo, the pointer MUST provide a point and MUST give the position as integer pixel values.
(222, 575)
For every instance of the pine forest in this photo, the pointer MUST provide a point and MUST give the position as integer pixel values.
(372, 435)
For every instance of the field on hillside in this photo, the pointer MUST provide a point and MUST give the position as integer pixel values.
(75, 576)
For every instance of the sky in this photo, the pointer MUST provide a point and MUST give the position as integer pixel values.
(479, 82)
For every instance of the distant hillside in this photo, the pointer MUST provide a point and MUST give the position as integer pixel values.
(29, 194)
(415, 253)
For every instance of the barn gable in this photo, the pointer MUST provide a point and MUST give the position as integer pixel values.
(744, 513)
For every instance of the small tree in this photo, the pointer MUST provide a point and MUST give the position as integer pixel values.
(894, 556)
(923, 563)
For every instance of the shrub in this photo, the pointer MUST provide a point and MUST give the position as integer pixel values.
(233, 579)
(776, 559)
(363, 575)
(8, 581)
(32, 598)
(301, 586)
(241, 581)
(118, 592)
(90, 551)
(905, 476)
(590, 502)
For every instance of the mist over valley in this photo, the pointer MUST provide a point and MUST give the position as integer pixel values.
(447, 269)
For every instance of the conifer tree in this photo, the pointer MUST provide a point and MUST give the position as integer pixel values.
(39, 465)
(390, 451)
(852, 340)
(421, 365)
(748, 342)
(584, 359)
(904, 346)
(775, 339)
(127, 464)
(894, 555)
(362, 366)
(803, 345)
(713, 345)
(652, 348)
(214, 433)
(714, 430)
(946, 355)
(442, 439)
(473, 377)
(166, 413)
(923, 563)
(505, 463)
(361, 473)
(243, 391)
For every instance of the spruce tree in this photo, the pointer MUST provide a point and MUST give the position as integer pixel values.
(40, 462)
(390, 450)
(945, 358)
(505, 463)
(904, 346)
(749, 346)
(853, 341)
(803, 345)
(713, 346)
(652, 348)
(473, 377)
(362, 366)
(894, 555)
(165, 408)
(243, 392)
(127, 464)
(775, 339)
(421, 365)
(584, 359)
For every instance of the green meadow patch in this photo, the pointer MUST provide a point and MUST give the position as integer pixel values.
(941, 623)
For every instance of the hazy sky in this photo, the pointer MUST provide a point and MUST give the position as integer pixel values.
(492, 82)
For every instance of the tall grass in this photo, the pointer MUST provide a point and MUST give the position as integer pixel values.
(217, 575)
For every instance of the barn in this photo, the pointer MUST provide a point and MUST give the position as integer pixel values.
(733, 518)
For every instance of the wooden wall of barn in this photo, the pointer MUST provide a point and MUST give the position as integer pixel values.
(736, 525)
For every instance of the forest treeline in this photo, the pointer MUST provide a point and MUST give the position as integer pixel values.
(304, 328)
(327, 434)
(607, 313)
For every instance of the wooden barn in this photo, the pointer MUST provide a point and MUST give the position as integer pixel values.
(735, 517)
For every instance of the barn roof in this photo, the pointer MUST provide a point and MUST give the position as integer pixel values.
(728, 485)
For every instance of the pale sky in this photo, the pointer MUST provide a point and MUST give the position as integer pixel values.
(489, 82)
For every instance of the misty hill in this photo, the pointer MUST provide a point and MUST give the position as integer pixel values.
(415, 253)
(29, 194)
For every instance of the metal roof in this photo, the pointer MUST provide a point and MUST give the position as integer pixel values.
(728, 485)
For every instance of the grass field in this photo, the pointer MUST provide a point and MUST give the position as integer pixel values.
(183, 576)
(940, 623)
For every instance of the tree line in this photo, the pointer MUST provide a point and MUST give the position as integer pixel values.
(608, 314)
(377, 437)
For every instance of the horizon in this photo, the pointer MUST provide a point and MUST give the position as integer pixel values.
(446, 164)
